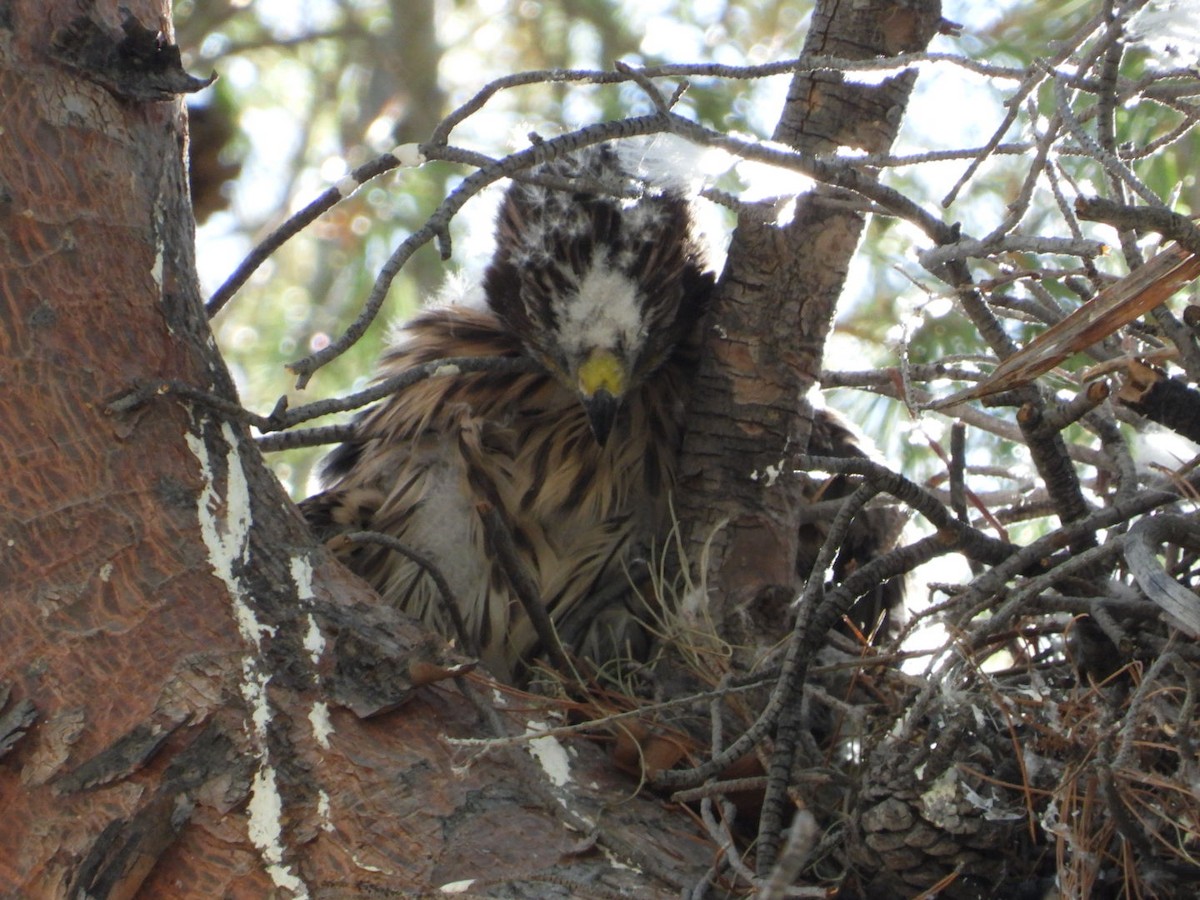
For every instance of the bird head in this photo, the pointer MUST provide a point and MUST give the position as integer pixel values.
(601, 281)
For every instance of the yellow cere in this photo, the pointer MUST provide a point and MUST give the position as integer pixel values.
(602, 371)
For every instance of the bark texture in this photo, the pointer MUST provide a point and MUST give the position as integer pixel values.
(773, 312)
(186, 676)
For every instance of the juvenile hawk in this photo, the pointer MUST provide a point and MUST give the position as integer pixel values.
(605, 294)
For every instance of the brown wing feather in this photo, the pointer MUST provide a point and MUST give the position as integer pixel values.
(522, 444)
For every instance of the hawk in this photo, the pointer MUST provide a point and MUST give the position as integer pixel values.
(602, 287)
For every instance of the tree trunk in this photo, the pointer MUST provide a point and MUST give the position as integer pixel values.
(773, 311)
(187, 675)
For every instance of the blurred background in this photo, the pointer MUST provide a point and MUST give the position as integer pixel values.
(309, 90)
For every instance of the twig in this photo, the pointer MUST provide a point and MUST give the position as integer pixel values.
(438, 223)
(400, 156)
(500, 541)
(1030, 558)
(1060, 415)
(957, 471)
(957, 534)
(282, 418)
(801, 841)
(964, 248)
(1181, 605)
(305, 437)
(1032, 78)
(649, 709)
(449, 601)
(1048, 449)
(1111, 163)
(791, 683)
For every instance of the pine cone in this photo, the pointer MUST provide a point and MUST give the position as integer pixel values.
(923, 815)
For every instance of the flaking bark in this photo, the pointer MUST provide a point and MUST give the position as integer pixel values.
(200, 670)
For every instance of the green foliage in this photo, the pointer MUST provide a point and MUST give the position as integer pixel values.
(321, 90)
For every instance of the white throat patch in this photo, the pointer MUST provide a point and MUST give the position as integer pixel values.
(604, 313)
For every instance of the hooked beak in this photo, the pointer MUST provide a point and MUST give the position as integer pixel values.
(601, 410)
(601, 381)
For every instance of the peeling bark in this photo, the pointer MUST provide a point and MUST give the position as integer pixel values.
(200, 671)
(1167, 401)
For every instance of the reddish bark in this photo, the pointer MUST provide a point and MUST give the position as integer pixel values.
(166, 614)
